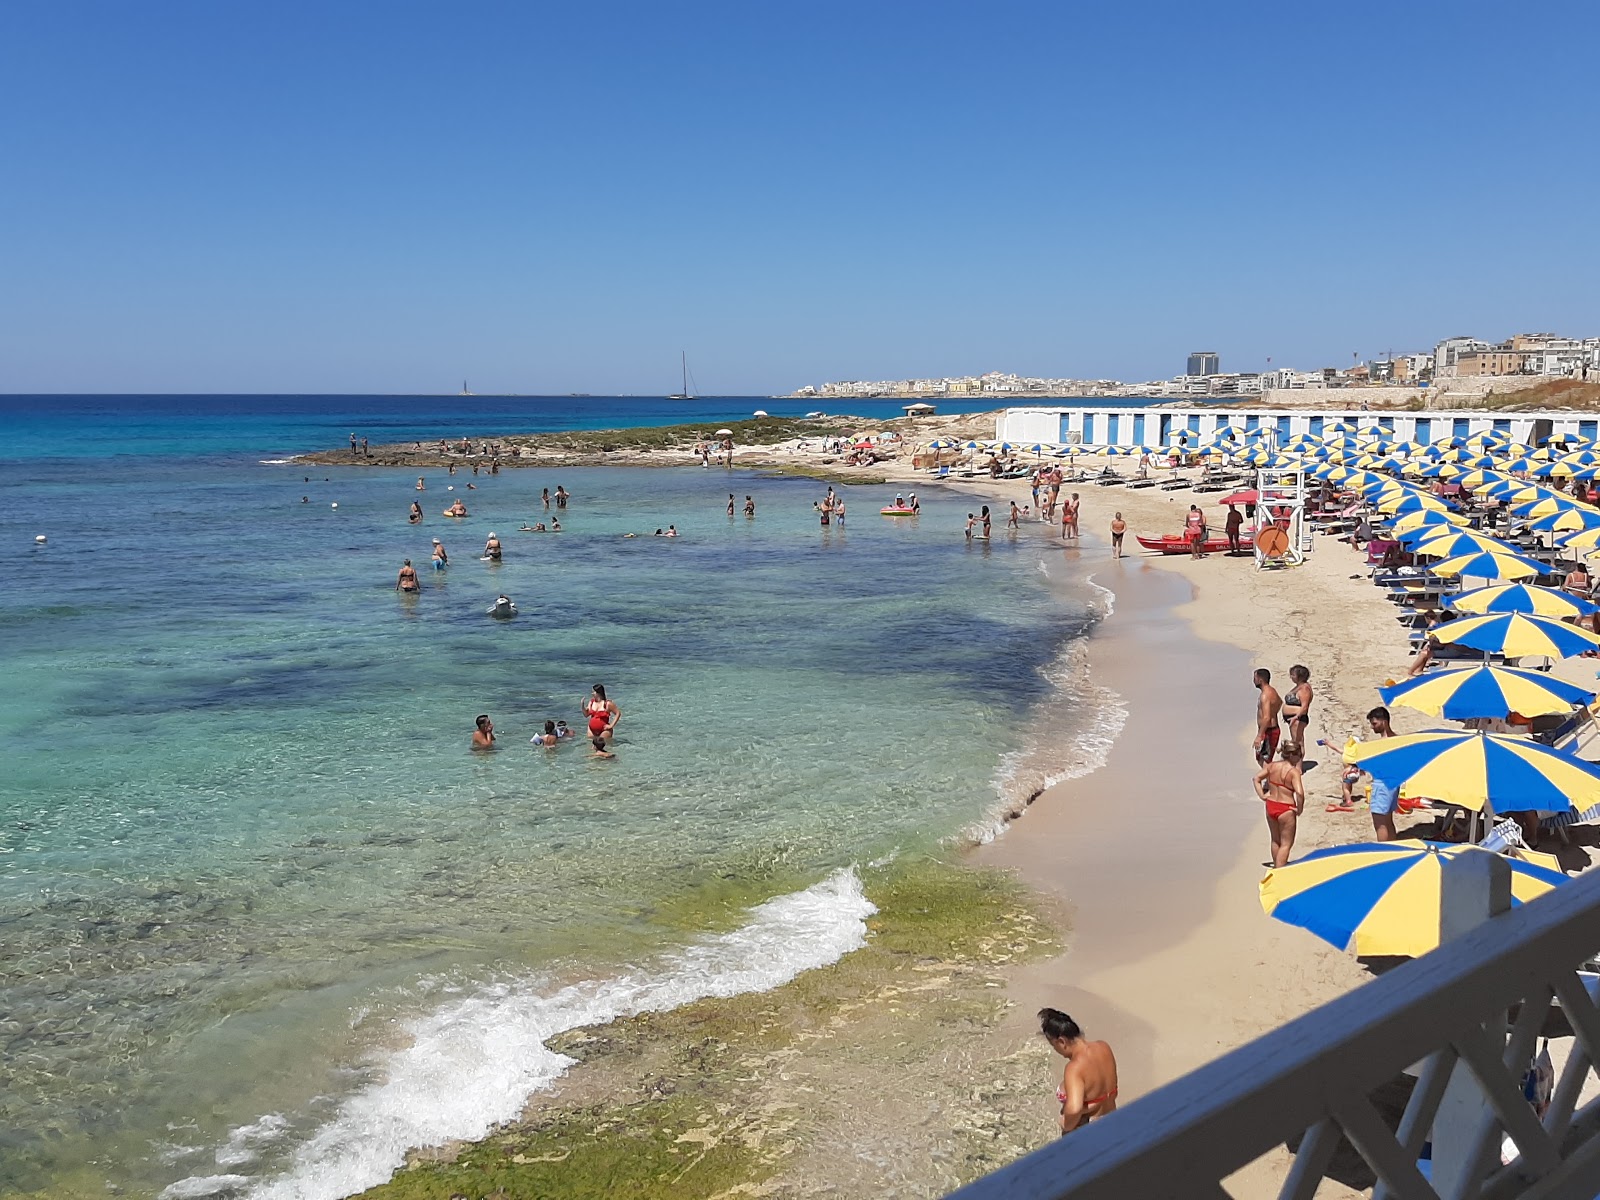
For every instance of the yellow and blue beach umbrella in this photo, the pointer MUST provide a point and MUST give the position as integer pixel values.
(1522, 598)
(1568, 520)
(1515, 634)
(1380, 898)
(1429, 518)
(1411, 501)
(1585, 541)
(1486, 691)
(1480, 770)
(1491, 564)
(1451, 542)
(1544, 506)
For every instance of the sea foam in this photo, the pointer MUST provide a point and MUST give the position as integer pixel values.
(472, 1063)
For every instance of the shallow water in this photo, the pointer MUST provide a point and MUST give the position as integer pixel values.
(248, 865)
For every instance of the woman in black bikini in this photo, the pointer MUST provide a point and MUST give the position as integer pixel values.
(1297, 705)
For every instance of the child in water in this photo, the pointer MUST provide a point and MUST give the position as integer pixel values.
(599, 751)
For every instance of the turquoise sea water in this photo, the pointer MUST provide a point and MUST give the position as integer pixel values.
(267, 921)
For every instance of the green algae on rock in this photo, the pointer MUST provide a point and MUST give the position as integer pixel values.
(729, 1096)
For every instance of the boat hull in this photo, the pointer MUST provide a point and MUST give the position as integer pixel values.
(1173, 543)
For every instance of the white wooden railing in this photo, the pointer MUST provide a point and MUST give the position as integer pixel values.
(1465, 1020)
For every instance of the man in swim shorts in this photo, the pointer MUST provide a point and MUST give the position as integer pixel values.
(1118, 528)
(1385, 797)
(441, 559)
(1268, 706)
(1281, 788)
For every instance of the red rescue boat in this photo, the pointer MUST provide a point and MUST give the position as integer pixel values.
(1176, 543)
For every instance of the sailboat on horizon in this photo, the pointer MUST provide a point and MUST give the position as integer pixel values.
(464, 391)
(685, 394)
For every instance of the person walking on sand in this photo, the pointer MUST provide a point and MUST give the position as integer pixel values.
(1281, 788)
(1297, 705)
(1268, 705)
(407, 580)
(1194, 528)
(1231, 526)
(1069, 514)
(1118, 528)
(1089, 1080)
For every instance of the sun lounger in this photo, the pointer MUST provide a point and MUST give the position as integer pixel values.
(1175, 484)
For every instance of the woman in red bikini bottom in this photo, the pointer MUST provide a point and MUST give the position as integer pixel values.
(603, 714)
(1089, 1081)
(1281, 788)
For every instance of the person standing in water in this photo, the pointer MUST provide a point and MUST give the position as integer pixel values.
(408, 581)
(441, 559)
(422, 485)
(602, 714)
(749, 507)
(546, 498)
(483, 735)
(730, 504)
(416, 513)
(838, 510)
(1016, 513)
(1118, 528)
(1089, 1080)
(983, 515)
(562, 496)
(491, 548)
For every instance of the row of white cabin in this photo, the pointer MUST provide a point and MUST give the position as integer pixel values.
(1159, 426)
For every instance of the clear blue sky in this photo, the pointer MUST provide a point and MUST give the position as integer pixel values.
(349, 196)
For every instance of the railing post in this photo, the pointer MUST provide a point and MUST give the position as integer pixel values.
(1473, 888)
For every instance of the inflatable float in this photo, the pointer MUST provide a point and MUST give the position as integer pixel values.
(503, 607)
(891, 511)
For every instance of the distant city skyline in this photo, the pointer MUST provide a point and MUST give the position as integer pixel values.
(365, 197)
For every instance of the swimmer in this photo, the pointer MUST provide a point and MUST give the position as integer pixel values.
(539, 528)
(421, 486)
(305, 499)
(546, 497)
(408, 581)
(672, 531)
(441, 559)
(472, 487)
(599, 750)
(749, 507)
(483, 735)
(563, 730)
(416, 513)
(548, 737)
(629, 535)
(658, 533)
(457, 509)
(730, 504)
(562, 496)
(491, 548)
(555, 524)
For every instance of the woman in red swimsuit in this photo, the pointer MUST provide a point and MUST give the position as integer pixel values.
(1089, 1082)
(603, 714)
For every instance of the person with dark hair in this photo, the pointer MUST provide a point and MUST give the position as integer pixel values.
(483, 735)
(1268, 706)
(1385, 798)
(600, 751)
(407, 580)
(1280, 787)
(548, 737)
(602, 714)
(1089, 1080)
(1297, 705)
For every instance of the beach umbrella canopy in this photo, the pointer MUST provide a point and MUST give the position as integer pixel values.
(1543, 507)
(1449, 542)
(1585, 541)
(1486, 691)
(1515, 634)
(1479, 770)
(1038, 448)
(1522, 598)
(1247, 496)
(1430, 518)
(1412, 501)
(723, 433)
(941, 444)
(1491, 564)
(1568, 520)
(1380, 898)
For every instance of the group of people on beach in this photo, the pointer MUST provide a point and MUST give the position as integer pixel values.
(600, 716)
(1280, 742)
